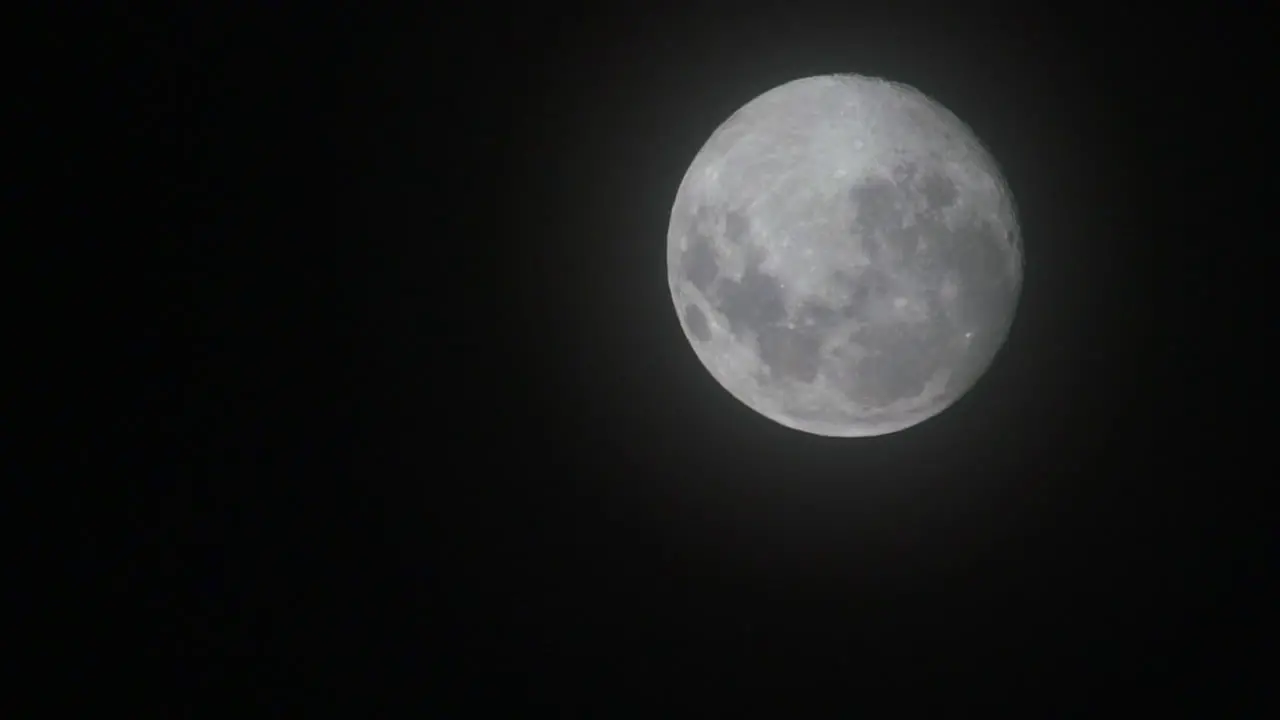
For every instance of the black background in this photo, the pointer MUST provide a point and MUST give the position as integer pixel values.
(436, 435)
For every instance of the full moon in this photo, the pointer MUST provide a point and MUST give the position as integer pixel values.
(844, 256)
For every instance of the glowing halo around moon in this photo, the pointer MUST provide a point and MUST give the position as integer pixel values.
(844, 256)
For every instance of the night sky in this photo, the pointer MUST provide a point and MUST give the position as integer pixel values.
(439, 438)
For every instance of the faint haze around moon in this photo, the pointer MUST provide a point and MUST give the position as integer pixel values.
(844, 256)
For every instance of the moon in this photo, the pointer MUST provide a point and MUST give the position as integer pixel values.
(844, 256)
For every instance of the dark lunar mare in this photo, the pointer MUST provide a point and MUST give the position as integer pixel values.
(696, 321)
(753, 301)
(736, 227)
(938, 191)
(790, 352)
(755, 305)
(698, 263)
(795, 352)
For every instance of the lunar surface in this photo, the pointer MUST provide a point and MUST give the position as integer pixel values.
(844, 256)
